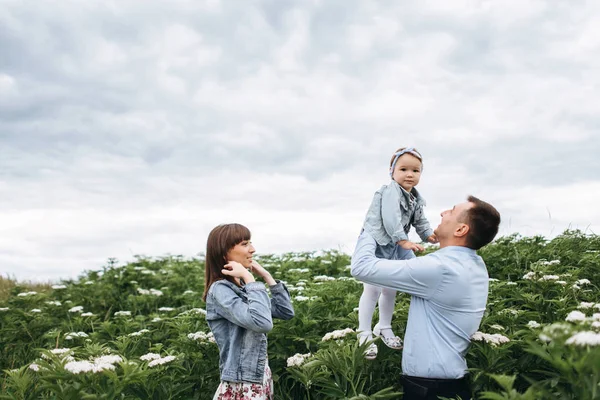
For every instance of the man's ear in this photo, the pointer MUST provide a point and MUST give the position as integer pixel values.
(462, 230)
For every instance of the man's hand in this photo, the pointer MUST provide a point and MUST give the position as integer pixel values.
(408, 245)
(432, 239)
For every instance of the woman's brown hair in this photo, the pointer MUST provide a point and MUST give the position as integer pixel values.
(220, 240)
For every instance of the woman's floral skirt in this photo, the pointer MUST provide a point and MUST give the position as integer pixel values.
(247, 391)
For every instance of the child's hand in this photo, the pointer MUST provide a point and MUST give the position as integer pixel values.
(432, 239)
(408, 245)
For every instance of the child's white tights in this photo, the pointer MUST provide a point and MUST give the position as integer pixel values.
(366, 308)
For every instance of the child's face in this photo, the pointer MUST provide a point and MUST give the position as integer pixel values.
(407, 171)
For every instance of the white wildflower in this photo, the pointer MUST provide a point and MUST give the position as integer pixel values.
(108, 359)
(511, 283)
(301, 298)
(26, 294)
(88, 283)
(54, 303)
(297, 359)
(562, 283)
(533, 324)
(301, 283)
(545, 338)
(166, 309)
(87, 314)
(549, 278)
(56, 287)
(575, 316)
(530, 275)
(298, 270)
(189, 292)
(161, 361)
(156, 292)
(123, 313)
(138, 333)
(150, 356)
(76, 309)
(148, 272)
(35, 367)
(493, 280)
(4, 308)
(338, 334)
(36, 310)
(597, 305)
(323, 278)
(157, 319)
(497, 327)
(326, 261)
(585, 305)
(202, 337)
(63, 350)
(582, 282)
(575, 286)
(143, 291)
(133, 282)
(596, 324)
(553, 262)
(494, 339)
(585, 338)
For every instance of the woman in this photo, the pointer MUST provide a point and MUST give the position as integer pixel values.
(239, 312)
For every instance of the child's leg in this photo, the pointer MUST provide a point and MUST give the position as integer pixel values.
(387, 300)
(366, 308)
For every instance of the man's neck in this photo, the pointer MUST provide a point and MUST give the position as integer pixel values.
(452, 242)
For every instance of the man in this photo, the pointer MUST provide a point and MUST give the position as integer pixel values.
(448, 291)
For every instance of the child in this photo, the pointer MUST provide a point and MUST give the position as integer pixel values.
(239, 313)
(395, 207)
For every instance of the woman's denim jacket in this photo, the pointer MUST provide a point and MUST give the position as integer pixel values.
(239, 318)
(392, 213)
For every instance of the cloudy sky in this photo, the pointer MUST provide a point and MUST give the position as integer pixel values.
(134, 127)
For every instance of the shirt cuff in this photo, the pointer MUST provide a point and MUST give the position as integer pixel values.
(278, 287)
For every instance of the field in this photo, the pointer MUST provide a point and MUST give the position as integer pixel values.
(137, 331)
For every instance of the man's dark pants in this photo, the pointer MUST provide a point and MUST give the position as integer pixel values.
(430, 389)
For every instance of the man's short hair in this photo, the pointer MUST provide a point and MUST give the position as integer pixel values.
(483, 220)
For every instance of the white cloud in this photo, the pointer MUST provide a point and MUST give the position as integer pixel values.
(130, 127)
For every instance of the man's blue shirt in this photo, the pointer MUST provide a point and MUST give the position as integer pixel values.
(449, 291)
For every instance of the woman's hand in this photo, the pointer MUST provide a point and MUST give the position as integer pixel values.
(408, 245)
(237, 270)
(263, 273)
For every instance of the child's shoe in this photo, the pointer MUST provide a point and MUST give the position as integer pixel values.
(393, 342)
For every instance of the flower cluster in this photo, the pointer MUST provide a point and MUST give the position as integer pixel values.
(494, 339)
(73, 335)
(99, 364)
(202, 337)
(27, 294)
(584, 338)
(76, 309)
(297, 359)
(337, 334)
(161, 361)
(151, 292)
(323, 278)
(138, 333)
(123, 313)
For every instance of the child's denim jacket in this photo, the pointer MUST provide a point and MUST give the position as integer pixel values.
(239, 318)
(392, 212)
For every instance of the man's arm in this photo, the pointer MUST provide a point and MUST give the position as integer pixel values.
(418, 276)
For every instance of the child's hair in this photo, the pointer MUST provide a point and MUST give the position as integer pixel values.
(412, 151)
(220, 240)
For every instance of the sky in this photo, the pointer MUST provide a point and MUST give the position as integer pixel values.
(133, 128)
